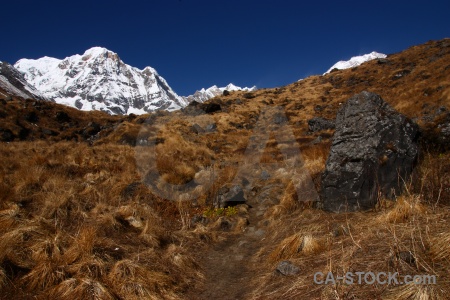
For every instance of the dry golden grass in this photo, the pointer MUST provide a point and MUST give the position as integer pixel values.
(440, 246)
(406, 207)
(76, 223)
(372, 241)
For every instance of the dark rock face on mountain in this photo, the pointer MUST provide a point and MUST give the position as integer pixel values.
(373, 150)
(13, 83)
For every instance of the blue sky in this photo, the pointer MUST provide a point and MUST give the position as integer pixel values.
(198, 43)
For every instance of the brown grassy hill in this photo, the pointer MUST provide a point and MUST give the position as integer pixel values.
(77, 220)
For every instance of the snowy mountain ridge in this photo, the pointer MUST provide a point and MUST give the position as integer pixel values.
(213, 91)
(100, 80)
(355, 61)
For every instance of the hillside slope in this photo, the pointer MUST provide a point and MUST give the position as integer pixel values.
(84, 209)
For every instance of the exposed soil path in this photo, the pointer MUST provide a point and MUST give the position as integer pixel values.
(228, 264)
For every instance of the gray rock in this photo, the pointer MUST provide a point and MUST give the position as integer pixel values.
(373, 150)
(402, 256)
(264, 175)
(211, 127)
(317, 140)
(318, 124)
(231, 196)
(197, 129)
(279, 118)
(199, 219)
(287, 268)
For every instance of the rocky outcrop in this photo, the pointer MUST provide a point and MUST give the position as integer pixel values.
(373, 151)
(196, 108)
(318, 124)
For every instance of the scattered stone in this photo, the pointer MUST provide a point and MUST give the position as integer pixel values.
(130, 190)
(91, 129)
(317, 140)
(280, 118)
(210, 108)
(318, 108)
(264, 175)
(318, 124)
(197, 129)
(299, 106)
(407, 257)
(373, 151)
(135, 222)
(401, 74)
(231, 196)
(211, 127)
(402, 256)
(223, 224)
(249, 96)
(199, 219)
(226, 93)
(287, 268)
(49, 132)
(339, 230)
(193, 109)
(383, 61)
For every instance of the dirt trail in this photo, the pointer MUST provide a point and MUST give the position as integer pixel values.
(227, 264)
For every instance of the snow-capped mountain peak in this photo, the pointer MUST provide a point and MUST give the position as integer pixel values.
(355, 61)
(213, 91)
(99, 80)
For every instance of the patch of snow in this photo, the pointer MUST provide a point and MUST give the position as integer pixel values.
(355, 61)
(213, 91)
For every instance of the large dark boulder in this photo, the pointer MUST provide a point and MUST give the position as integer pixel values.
(373, 152)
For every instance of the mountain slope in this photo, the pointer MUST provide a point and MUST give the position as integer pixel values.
(13, 83)
(100, 80)
(92, 222)
(355, 61)
(211, 92)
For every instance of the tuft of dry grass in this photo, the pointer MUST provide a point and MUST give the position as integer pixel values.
(297, 245)
(417, 292)
(80, 288)
(440, 246)
(405, 208)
